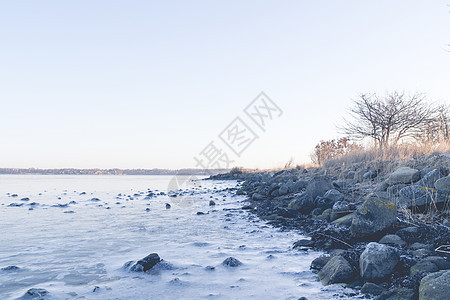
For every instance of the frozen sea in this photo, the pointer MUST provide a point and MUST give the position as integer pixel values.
(73, 235)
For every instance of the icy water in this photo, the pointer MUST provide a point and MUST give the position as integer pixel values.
(74, 246)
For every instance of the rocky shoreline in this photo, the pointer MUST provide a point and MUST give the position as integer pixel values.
(383, 226)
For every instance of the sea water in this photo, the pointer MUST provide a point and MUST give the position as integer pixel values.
(75, 233)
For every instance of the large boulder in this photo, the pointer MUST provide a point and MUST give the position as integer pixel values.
(304, 203)
(430, 178)
(374, 216)
(443, 184)
(435, 286)
(318, 186)
(416, 196)
(404, 175)
(336, 270)
(378, 261)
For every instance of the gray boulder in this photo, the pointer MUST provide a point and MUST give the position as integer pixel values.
(423, 268)
(378, 261)
(340, 209)
(350, 175)
(299, 185)
(369, 175)
(304, 203)
(394, 190)
(440, 262)
(372, 288)
(324, 203)
(435, 286)
(374, 216)
(284, 190)
(320, 262)
(393, 240)
(336, 270)
(443, 184)
(397, 294)
(415, 195)
(430, 178)
(334, 195)
(318, 186)
(404, 175)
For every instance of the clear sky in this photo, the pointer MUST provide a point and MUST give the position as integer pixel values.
(149, 84)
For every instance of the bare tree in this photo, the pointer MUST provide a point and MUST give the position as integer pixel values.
(388, 119)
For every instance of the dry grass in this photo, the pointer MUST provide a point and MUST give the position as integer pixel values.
(386, 161)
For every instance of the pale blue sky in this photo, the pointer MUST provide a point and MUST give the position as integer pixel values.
(145, 84)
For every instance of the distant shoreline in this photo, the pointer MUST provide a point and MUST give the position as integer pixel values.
(70, 171)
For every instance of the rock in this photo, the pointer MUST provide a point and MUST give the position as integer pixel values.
(394, 190)
(25, 199)
(299, 186)
(212, 203)
(378, 261)
(320, 262)
(334, 195)
(421, 253)
(340, 209)
(423, 268)
(284, 190)
(417, 246)
(324, 203)
(374, 216)
(414, 195)
(304, 203)
(382, 187)
(345, 220)
(257, 197)
(430, 178)
(301, 244)
(318, 186)
(146, 263)
(10, 268)
(372, 288)
(36, 293)
(409, 234)
(393, 240)
(231, 262)
(435, 286)
(369, 175)
(443, 184)
(397, 294)
(404, 175)
(350, 175)
(440, 262)
(316, 212)
(336, 270)
(95, 200)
